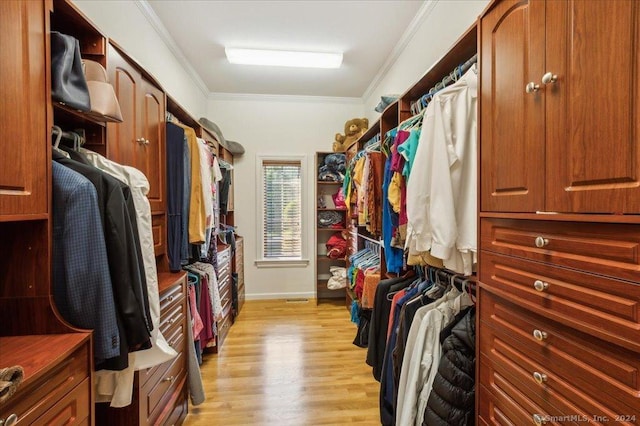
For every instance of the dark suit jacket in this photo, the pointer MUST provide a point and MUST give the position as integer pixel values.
(125, 257)
(82, 287)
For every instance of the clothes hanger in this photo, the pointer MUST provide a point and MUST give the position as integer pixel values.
(57, 131)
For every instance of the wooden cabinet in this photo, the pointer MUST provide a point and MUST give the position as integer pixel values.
(592, 155)
(56, 388)
(559, 304)
(139, 140)
(238, 268)
(56, 358)
(225, 289)
(512, 121)
(159, 394)
(325, 205)
(23, 108)
(548, 145)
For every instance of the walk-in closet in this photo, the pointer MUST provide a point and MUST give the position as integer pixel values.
(300, 213)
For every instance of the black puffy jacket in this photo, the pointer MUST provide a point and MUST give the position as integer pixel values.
(452, 399)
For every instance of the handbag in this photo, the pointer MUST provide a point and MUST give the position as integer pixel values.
(104, 103)
(68, 83)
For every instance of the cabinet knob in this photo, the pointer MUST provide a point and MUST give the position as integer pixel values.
(541, 242)
(540, 335)
(540, 378)
(140, 140)
(539, 419)
(172, 320)
(549, 78)
(532, 87)
(146, 141)
(9, 421)
(168, 379)
(170, 299)
(540, 285)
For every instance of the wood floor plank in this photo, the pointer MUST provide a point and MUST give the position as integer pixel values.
(288, 364)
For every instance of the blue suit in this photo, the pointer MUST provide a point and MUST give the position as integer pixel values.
(82, 287)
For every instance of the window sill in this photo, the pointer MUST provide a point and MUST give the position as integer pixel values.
(282, 263)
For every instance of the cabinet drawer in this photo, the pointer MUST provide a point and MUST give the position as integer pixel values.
(172, 296)
(225, 297)
(159, 232)
(504, 408)
(602, 248)
(48, 391)
(158, 392)
(175, 338)
(604, 307)
(224, 256)
(597, 368)
(73, 409)
(174, 316)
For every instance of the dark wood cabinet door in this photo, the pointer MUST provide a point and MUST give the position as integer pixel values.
(593, 108)
(512, 120)
(151, 160)
(24, 170)
(124, 139)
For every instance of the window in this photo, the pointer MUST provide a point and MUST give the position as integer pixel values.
(281, 231)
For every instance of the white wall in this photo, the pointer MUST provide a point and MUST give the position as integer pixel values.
(125, 23)
(277, 125)
(444, 23)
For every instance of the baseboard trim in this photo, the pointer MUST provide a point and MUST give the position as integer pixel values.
(293, 295)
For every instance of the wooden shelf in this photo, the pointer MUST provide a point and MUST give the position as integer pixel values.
(167, 279)
(79, 118)
(328, 259)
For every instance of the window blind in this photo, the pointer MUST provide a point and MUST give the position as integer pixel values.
(282, 212)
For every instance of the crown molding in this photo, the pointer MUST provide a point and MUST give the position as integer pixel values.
(219, 96)
(422, 14)
(162, 31)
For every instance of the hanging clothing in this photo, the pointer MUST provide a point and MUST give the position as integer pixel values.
(225, 185)
(197, 213)
(442, 189)
(374, 193)
(380, 322)
(393, 255)
(119, 224)
(82, 288)
(110, 386)
(175, 165)
(422, 355)
(452, 400)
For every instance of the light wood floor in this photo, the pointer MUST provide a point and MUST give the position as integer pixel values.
(288, 364)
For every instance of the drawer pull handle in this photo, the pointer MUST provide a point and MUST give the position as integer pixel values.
(539, 420)
(168, 379)
(9, 421)
(540, 335)
(540, 378)
(170, 299)
(541, 242)
(172, 320)
(540, 285)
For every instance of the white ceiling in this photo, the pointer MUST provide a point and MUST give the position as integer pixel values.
(367, 31)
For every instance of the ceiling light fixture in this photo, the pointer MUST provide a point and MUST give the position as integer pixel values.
(283, 58)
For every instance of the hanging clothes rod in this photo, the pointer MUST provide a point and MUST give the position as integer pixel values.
(419, 105)
(446, 276)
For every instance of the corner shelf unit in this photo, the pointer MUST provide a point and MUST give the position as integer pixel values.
(324, 191)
